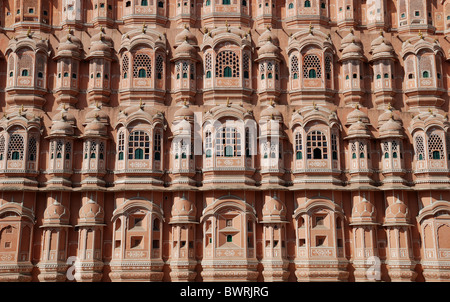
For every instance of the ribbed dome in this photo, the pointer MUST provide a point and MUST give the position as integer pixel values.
(100, 45)
(363, 209)
(61, 127)
(185, 49)
(391, 128)
(397, 210)
(358, 129)
(268, 49)
(69, 44)
(273, 209)
(268, 35)
(271, 112)
(352, 49)
(56, 213)
(183, 112)
(96, 113)
(185, 35)
(91, 212)
(183, 210)
(95, 128)
(349, 39)
(357, 115)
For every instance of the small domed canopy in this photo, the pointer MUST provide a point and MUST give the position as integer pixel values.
(349, 39)
(363, 211)
(63, 124)
(183, 113)
(97, 113)
(357, 115)
(397, 214)
(268, 35)
(56, 214)
(391, 128)
(268, 50)
(91, 213)
(358, 129)
(353, 51)
(274, 210)
(101, 45)
(69, 46)
(183, 211)
(185, 51)
(271, 113)
(95, 128)
(185, 36)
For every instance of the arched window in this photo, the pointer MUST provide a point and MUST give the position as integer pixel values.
(208, 144)
(121, 145)
(159, 67)
(420, 150)
(228, 142)
(208, 2)
(139, 140)
(307, 3)
(378, 76)
(226, 2)
(298, 146)
(227, 64)
(144, 2)
(16, 147)
(435, 146)
(25, 72)
(425, 74)
(316, 145)
(311, 67)
(142, 73)
(157, 145)
(291, 5)
(142, 61)
(294, 66)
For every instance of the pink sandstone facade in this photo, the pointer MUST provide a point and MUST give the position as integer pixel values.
(224, 140)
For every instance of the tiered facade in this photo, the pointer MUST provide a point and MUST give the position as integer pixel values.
(224, 140)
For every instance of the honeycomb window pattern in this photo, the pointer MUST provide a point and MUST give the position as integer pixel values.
(125, 65)
(144, 61)
(311, 62)
(227, 64)
(420, 150)
(435, 146)
(294, 67)
(16, 147)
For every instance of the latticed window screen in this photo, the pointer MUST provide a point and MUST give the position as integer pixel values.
(208, 62)
(68, 149)
(139, 145)
(420, 149)
(435, 146)
(101, 150)
(32, 148)
(227, 64)
(262, 67)
(334, 146)
(298, 146)
(228, 142)
(121, 145)
(294, 66)
(316, 145)
(59, 145)
(2, 147)
(93, 149)
(41, 62)
(159, 66)
(142, 61)
(15, 147)
(157, 145)
(125, 65)
(311, 67)
(246, 64)
(208, 143)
